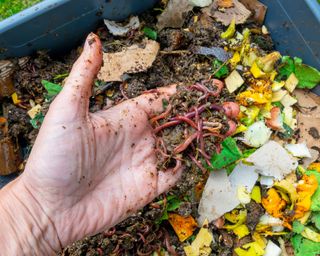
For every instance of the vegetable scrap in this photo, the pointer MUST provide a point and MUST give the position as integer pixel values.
(242, 123)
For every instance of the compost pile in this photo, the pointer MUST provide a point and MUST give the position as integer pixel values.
(242, 123)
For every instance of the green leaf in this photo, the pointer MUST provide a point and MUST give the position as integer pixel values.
(229, 154)
(316, 219)
(173, 204)
(304, 247)
(223, 70)
(37, 120)
(297, 227)
(163, 217)
(150, 33)
(287, 133)
(246, 153)
(286, 68)
(278, 104)
(165, 104)
(60, 76)
(308, 76)
(315, 199)
(52, 88)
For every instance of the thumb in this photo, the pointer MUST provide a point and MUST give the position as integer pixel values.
(73, 101)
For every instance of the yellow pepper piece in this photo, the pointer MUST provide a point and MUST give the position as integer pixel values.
(273, 75)
(287, 188)
(259, 239)
(241, 231)
(183, 226)
(305, 189)
(235, 59)
(276, 86)
(256, 194)
(230, 30)
(15, 98)
(256, 71)
(250, 249)
(240, 128)
(201, 245)
(311, 235)
(250, 97)
(273, 203)
(314, 166)
(241, 217)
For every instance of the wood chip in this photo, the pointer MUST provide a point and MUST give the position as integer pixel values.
(174, 15)
(239, 12)
(258, 9)
(9, 160)
(131, 60)
(309, 118)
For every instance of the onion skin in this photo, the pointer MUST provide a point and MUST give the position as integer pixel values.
(231, 109)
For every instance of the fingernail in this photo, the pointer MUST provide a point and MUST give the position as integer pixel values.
(91, 39)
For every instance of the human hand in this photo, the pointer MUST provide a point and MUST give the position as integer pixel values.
(88, 171)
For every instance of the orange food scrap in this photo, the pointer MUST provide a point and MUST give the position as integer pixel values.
(225, 3)
(273, 203)
(183, 226)
(314, 166)
(198, 190)
(305, 189)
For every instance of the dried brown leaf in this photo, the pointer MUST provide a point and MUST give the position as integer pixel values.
(238, 12)
(133, 59)
(173, 16)
(258, 9)
(309, 118)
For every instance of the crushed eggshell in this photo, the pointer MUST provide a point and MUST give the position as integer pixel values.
(257, 134)
(120, 30)
(200, 3)
(217, 189)
(288, 100)
(243, 195)
(298, 150)
(273, 160)
(278, 95)
(221, 188)
(234, 81)
(34, 111)
(291, 83)
(183, 226)
(272, 249)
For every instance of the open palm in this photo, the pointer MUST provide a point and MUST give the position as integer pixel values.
(88, 171)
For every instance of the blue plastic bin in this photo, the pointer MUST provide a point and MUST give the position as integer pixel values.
(59, 25)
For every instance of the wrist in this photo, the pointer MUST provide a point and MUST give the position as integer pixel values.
(25, 228)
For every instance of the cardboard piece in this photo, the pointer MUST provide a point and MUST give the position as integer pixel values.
(132, 59)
